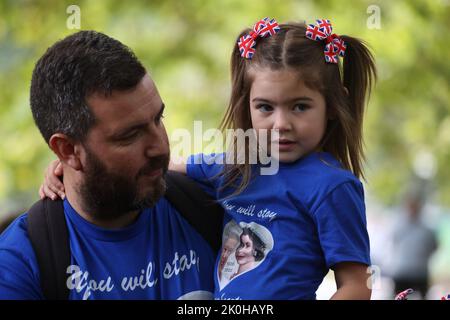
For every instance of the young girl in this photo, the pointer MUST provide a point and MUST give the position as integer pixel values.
(309, 216)
(288, 78)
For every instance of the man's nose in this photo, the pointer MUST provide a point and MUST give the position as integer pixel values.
(282, 121)
(158, 144)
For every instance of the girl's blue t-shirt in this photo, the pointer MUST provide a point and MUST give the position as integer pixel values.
(304, 220)
(159, 256)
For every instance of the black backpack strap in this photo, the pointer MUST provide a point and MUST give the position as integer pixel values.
(49, 237)
(198, 208)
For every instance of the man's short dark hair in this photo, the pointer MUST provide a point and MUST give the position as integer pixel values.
(81, 64)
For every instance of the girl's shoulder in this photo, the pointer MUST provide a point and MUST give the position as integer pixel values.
(318, 175)
(331, 169)
(323, 167)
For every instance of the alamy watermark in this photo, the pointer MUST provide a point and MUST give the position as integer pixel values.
(374, 20)
(250, 146)
(74, 20)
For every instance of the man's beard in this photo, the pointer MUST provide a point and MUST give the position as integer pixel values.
(109, 195)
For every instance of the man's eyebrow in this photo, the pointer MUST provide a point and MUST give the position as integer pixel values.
(136, 126)
(301, 98)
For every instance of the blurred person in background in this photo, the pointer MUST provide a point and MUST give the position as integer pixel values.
(413, 243)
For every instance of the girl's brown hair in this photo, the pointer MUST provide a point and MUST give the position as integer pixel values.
(344, 86)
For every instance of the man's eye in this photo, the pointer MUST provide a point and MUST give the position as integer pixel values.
(264, 108)
(159, 118)
(130, 136)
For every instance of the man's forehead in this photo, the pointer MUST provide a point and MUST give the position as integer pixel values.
(123, 106)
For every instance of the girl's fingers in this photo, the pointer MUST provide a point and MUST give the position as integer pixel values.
(51, 180)
(52, 186)
(49, 193)
(54, 183)
(55, 167)
(55, 186)
(59, 169)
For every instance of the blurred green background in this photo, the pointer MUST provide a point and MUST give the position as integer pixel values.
(186, 47)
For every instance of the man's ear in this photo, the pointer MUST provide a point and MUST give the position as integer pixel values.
(66, 150)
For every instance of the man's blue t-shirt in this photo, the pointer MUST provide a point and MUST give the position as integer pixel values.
(159, 256)
(283, 233)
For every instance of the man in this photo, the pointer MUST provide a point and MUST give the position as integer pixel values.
(101, 114)
(413, 244)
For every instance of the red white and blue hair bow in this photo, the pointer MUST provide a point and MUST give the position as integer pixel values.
(323, 30)
(404, 294)
(263, 28)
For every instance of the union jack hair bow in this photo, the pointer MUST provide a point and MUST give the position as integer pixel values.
(263, 28)
(404, 294)
(323, 30)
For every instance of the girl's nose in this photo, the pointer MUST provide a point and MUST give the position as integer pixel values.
(281, 121)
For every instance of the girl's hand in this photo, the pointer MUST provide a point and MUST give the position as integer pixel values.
(52, 186)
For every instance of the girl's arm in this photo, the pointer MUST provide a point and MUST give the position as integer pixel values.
(53, 188)
(178, 164)
(352, 281)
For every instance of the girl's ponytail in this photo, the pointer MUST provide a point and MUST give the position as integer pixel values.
(359, 74)
(237, 116)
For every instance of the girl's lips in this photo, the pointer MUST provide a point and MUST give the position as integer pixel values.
(285, 145)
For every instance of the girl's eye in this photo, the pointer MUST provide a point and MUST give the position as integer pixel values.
(264, 108)
(301, 107)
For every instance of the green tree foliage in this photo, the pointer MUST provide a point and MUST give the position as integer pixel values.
(186, 47)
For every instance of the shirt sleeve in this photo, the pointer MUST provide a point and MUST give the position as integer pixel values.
(205, 170)
(19, 275)
(342, 227)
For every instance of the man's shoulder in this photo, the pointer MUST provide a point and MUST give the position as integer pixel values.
(16, 233)
(14, 241)
(19, 273)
